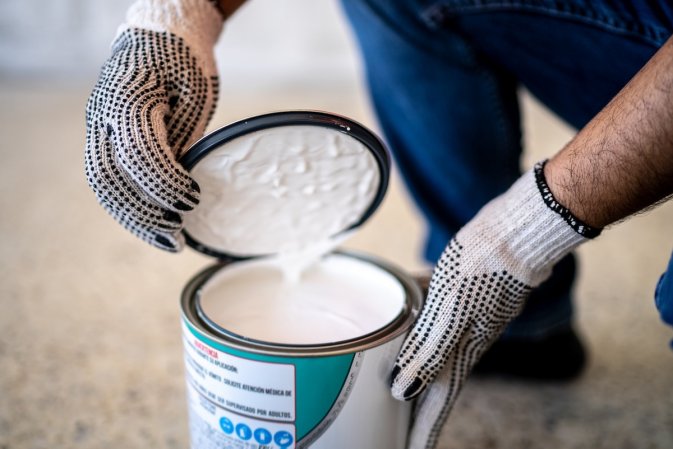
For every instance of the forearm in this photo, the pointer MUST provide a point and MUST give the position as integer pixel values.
(622, 161)
(228, 7)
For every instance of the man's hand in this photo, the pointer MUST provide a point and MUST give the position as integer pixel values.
(154, 97)
(479, 285)
(617, 165)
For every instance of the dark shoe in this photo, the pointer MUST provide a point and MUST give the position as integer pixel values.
(557, 357)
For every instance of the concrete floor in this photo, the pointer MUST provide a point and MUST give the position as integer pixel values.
(90, 348)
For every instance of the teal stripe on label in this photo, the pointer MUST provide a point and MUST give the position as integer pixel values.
(319, 380)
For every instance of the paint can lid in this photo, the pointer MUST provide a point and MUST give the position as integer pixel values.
(283, 181)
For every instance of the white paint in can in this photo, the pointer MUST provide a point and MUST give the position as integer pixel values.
(337, 299)
(340, 388)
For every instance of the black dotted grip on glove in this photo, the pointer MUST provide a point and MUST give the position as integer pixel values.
(151, 102)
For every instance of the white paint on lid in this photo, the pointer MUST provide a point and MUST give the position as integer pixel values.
(282, 190)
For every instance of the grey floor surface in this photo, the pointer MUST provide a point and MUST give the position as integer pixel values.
(90, 348)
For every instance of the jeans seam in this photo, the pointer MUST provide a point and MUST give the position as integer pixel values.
(441, 13)
(410, 37)
(496, 102)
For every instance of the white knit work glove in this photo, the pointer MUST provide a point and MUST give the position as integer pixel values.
(154, 98)
(479, 285)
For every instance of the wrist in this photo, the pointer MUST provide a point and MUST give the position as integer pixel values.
(228, 7)
(557, 204)
(218, 7)
(197, 22)
(562, 182)
(550, 231)
(527, 228)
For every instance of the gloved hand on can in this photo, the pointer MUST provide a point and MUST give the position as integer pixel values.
(155, 95)
(479, 285)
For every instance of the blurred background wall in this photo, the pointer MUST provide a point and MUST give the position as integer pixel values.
(267, 42)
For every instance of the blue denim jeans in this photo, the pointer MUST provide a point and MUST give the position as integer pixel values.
(663, 297)
(443, 78)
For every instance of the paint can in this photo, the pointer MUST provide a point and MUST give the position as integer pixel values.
(292, 379)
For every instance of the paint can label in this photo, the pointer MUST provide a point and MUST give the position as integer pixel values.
(242, 400)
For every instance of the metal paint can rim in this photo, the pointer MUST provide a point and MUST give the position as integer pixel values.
(400, 324)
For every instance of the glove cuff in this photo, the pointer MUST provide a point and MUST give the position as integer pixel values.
(528, 227)
(197, 22)
(578, 225)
